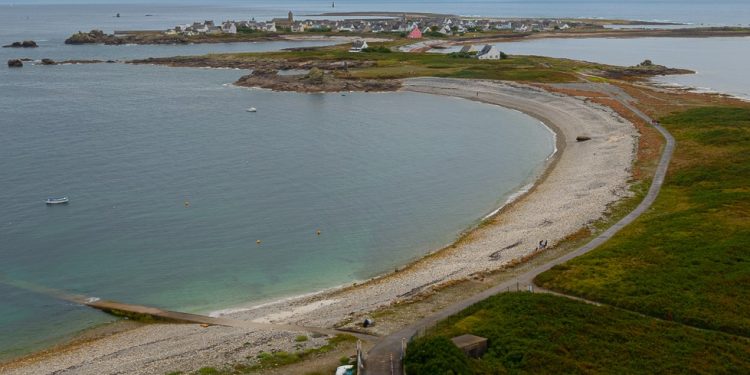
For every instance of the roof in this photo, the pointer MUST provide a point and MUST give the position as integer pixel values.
(467, 340)
(486, 49)
(358, 44)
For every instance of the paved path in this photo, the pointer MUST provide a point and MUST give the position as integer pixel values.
(385, 357)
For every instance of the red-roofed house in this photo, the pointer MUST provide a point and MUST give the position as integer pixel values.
(415, 33)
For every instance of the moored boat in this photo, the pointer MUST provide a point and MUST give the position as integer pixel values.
(57, 200)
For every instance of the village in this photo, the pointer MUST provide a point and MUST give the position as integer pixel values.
(414, 27)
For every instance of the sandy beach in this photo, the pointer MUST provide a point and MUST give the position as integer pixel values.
(581, 181)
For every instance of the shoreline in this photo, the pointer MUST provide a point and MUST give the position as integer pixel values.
(390, 287)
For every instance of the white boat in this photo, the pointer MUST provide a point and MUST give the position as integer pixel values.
(57, 200)
(252, 109)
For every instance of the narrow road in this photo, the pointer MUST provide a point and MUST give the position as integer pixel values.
(385, 357)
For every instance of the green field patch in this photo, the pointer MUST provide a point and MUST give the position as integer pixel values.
(541, 333)
(687, 258)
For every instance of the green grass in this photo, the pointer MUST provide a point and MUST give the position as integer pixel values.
(686, 259)
(541, 333)
(396, 65)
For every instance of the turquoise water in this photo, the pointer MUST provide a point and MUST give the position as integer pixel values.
(385, 177)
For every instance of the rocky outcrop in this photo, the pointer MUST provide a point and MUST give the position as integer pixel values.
(316, 80)
(24, 44)
(15, 63)
(48, 62)
(644, 69)
(583, 138)
(265, 64)
(91, 37)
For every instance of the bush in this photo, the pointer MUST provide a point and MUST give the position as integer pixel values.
(435, 356)
(378, 49)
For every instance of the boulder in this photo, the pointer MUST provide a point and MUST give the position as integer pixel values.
(15, 63)
(582, 138)
(48, 62)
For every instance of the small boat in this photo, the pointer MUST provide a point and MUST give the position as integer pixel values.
(252, 109)
(57, 200)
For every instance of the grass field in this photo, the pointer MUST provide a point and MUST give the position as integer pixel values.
(396, 65)
(686, 259)
(541, 333)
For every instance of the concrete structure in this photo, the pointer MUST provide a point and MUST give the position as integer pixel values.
(472, 346)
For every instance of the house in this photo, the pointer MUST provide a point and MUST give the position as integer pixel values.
(489, 52)
(229, 27)
(415, 33)
(358, 46)
(445, 30)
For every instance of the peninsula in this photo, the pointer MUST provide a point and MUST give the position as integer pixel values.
(608, 152)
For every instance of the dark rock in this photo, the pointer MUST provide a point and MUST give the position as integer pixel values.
(24, 44)
(582, 138)
(91, 37)
(15, 63)
(26, 59)
(111, 61)
(48, 62)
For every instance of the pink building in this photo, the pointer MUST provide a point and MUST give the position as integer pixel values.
(415, 33)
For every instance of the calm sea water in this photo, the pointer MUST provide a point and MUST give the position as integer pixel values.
(386, 177)
(720, 63)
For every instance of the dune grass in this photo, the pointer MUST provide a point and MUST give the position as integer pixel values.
(542, 333)
(687, 259)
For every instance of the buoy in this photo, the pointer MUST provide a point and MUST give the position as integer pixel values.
(187, 204)
(257, 242)
(318, 232)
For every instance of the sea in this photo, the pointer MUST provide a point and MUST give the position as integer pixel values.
(183, 200)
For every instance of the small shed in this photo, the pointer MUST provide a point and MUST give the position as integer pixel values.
(472, 346)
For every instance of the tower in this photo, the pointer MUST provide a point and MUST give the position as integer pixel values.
(291, 17)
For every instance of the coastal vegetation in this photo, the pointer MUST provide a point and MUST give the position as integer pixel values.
(684, 260)
(276, 359)
(542, 333)
(351, 71)
(682, 264)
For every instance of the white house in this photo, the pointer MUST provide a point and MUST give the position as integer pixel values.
(489, 52)
(229, 28)
(358, 46)
(445, 30)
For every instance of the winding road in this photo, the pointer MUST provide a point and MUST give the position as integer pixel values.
(385, 357)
